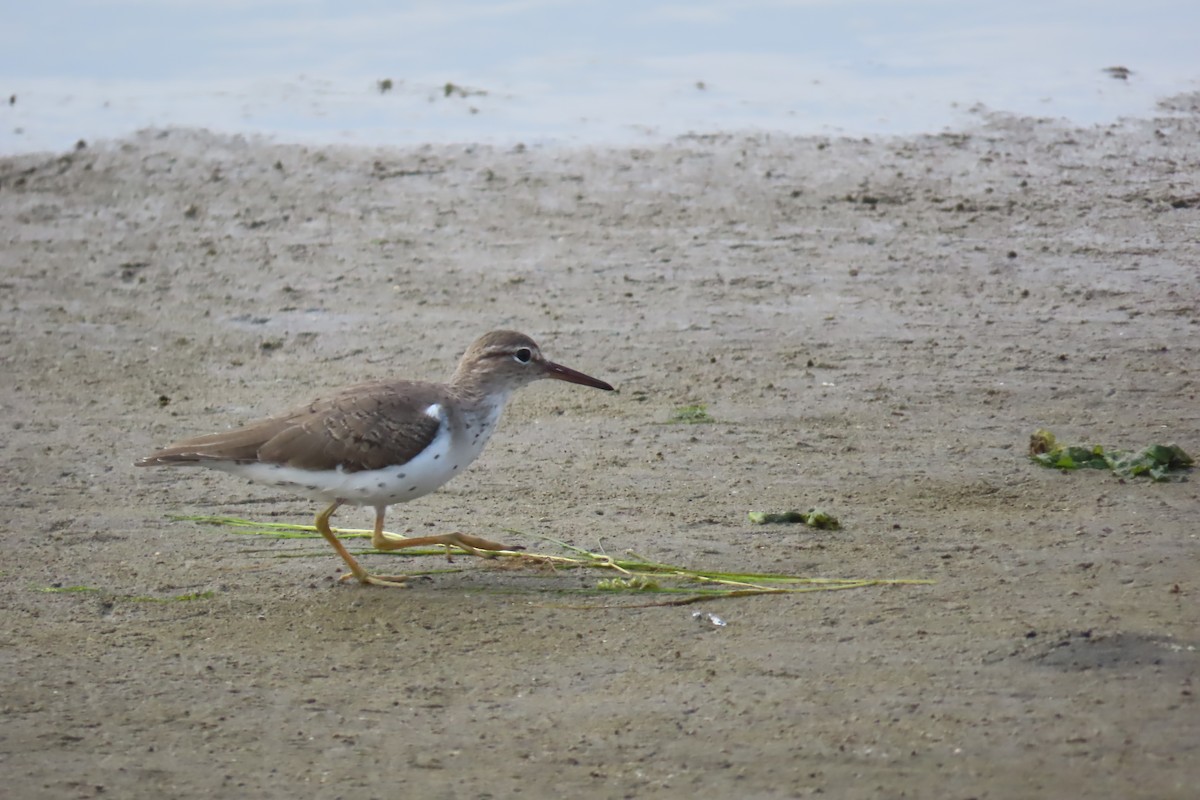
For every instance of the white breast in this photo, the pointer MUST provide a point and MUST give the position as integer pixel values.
(445, 457)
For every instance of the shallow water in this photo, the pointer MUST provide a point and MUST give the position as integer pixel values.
(571, 72)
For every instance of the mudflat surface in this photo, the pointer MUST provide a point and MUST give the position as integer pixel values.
(876, 328)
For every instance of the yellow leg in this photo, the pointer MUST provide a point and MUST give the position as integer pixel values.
(356, 571)
(472, 544)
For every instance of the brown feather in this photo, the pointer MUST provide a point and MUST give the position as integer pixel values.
(369, 426)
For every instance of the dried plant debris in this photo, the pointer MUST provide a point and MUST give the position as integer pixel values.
(1160, 462)
(658, 583)
(813, 518)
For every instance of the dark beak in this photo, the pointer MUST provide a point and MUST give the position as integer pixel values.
(559, 372)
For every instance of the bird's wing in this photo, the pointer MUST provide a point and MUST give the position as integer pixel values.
(365, 427)
(357, 430)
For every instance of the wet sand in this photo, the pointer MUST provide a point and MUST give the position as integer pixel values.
(876, 328)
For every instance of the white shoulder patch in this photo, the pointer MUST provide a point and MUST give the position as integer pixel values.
(434, 411)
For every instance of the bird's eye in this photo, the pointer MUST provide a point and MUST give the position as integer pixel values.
(523, 355)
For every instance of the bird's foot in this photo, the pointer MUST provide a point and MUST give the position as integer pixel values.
(478, 546)
(474, 545)
(367, 579)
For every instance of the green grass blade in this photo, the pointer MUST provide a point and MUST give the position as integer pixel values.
(679, 585)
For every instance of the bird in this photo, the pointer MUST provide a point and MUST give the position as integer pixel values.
(381, 443)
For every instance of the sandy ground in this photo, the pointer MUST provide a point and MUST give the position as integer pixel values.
(876, 328)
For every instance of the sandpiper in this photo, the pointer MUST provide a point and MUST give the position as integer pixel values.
(381, 443)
